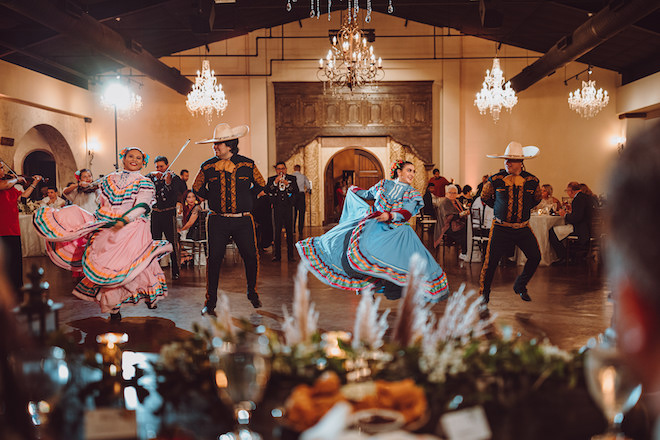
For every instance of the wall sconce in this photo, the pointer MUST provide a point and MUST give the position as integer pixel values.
(618, 142)
(92, 147)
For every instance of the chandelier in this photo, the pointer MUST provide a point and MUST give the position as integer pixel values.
(588, 102)
(349, 62)
(354, 5)
(121, 99)
(206, 96)
(494, 93)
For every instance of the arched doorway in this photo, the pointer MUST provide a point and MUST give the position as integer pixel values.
(353, 166)
(43, 164)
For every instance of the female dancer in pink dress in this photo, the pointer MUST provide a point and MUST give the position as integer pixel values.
(114, 247)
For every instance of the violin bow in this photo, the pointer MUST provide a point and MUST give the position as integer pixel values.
(8, 168)
(177, 156)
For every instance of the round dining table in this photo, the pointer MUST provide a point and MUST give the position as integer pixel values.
(541, 225)
(32, 243)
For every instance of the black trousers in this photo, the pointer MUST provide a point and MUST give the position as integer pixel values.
(164, 222)
(220, 230)
(501, 239)
(282, 217)
(300, 208)
(13, 256)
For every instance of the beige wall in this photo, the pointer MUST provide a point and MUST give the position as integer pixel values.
(571, 147)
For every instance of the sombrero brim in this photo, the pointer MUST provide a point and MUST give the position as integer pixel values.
(236, 133)
(529, 152)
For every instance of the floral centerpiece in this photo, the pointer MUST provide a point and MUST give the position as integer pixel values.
(28, 207)
(460, 359)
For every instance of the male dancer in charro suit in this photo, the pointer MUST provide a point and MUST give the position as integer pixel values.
(227, 181)
(512, 194)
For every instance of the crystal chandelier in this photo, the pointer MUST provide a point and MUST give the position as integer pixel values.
(349, 62)
(206, 96)
(120, 98)
(494, 93)
(354, 5)
(588, 102)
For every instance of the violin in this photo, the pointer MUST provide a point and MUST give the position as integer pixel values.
(89, 188)
(28, 179)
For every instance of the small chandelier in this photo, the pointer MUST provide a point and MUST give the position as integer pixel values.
(349, 62)
(588, 102)
(494, 93)
(315, 8)
(206, 96)
(120, 98)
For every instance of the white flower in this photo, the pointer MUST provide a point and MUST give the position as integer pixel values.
(551, 352)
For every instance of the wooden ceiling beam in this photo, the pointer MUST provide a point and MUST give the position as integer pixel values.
(82, 27)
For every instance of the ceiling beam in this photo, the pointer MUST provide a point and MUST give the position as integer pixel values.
(612, 19)
(81, 27)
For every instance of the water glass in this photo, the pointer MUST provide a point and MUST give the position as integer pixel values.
(44, 373)
(242, 372)
(612, 385)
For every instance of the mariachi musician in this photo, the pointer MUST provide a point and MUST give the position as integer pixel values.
(169, 188)
(10, 230)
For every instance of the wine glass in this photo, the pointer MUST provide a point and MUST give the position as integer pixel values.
(243, 369)
(612, 385)
(43, 373)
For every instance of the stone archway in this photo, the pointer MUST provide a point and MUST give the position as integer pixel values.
(47, 138)
(314, 157)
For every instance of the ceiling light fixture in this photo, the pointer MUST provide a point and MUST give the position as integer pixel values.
(206, 96)
(494, 93)
(124, 103)
(350, 62)
(588, 102)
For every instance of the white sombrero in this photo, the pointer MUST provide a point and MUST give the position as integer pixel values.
(516, 151)
(223, 132)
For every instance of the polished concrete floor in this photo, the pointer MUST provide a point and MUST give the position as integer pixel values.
(569, 304)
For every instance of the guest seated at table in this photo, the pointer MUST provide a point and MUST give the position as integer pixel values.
(83, 193)
(466, 196)
(592, 197)
(452, 219)
(578, 223)
(430, 201)
(191, 224)
(53, 199)
(632, 260)
(548, 201)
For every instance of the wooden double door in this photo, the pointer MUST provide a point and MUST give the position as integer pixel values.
(352, 166)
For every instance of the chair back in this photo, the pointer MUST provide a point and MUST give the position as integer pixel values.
(597, 222)
(476, 219)
(200, 231)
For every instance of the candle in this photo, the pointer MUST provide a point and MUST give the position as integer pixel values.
(109, 349)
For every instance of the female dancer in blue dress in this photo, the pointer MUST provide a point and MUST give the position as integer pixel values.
(372, 246)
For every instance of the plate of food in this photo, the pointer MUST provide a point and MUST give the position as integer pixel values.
(307, 404)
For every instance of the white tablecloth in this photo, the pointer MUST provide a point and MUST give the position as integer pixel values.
(541, 225)
(33, 244)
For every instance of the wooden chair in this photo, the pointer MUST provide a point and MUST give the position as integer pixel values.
(596, 236)
(479, 234)
(426, 224)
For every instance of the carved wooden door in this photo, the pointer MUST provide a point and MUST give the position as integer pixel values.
(356, 167)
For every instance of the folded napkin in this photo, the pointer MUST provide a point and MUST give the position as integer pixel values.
(563, 231)
(331, 425)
